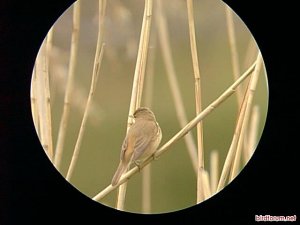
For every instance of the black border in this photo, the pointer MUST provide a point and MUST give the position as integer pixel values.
(32, 192)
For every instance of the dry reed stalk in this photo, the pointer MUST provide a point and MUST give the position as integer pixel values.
(251, 52)
(198, 99)
(70, 83)
(146, 189)
(146, 176)
(95, 75)
(233, 50)
(237, 133)
(33, 100)
(164, 40)
(214, 170)
(188, 127)
(47, 96)
(205, 185)
(233, 147)
(235, 164)
(41, 90)
(138, 81)
(253, 131)
(249, 100)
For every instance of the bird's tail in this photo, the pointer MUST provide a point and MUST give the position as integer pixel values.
(121, 169)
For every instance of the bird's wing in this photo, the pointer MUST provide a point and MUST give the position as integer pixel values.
(144, 137)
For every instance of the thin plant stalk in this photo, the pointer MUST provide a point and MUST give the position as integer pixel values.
(249, 100)
(214, 170)
(98, 60)
(138, 81)
(164, 40)
(180, 134)
(251, 52)
(240, 141)
(146, 176)
(41, 91)
(33, 100)
(253, 131)
(198, 99)
(69, 89)
(146, 189)
(235, 141)
(95, 75)
(233, 49)
(47, 94)
(232, 149)
(205, 184)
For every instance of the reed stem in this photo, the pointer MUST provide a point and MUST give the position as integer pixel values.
(164, 41)
(69, 89)
(138, 81)
(198, 99)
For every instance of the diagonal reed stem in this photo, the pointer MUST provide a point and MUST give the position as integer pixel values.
(234, 144)
(249, 99)
(95, 74)
(225, 95)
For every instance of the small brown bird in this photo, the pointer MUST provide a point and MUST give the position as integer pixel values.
(141, 141)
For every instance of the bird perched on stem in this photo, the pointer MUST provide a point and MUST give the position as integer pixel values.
(141, 141)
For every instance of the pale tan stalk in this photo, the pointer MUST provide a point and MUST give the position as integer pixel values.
(41, 93)
(253, 133)
(188, 127)
(206, 184)
(232, 149)
(40, 97)
(214, 170)
(95, 75)
(47, 94)
(249, 100)
(239, 140)
(146, 189)
(97, 65)
(164, 40)
(33, 99)
(251, 52)
(198, 99)
(233, 50)
(69, 89)
(236, 137)
(138, 81)
(146, 176)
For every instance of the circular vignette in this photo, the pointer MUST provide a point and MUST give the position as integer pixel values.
(81, 106)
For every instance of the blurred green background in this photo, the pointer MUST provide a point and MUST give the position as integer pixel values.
(173, 178)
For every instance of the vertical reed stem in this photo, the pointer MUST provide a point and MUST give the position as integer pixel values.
(233, 50)
(164, 40)
(198, 99)
(214, 170)
(138, 81)
(69, 89)
(253, 130)
(146, 176)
